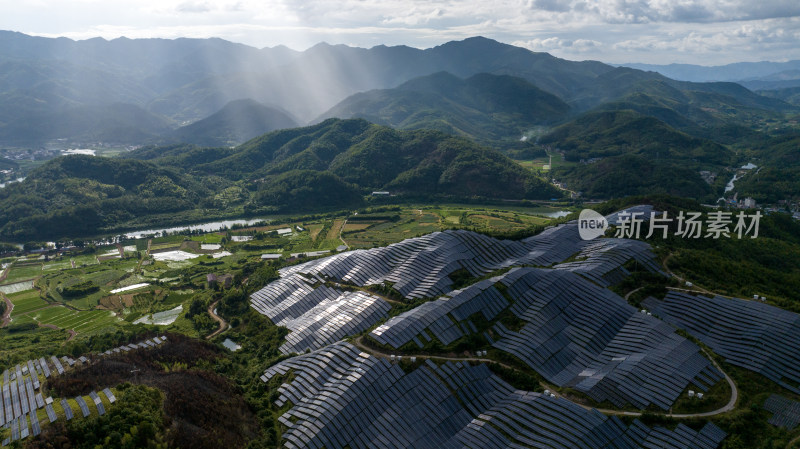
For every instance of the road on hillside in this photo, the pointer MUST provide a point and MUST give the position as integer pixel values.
(223, 325)
(731, 405)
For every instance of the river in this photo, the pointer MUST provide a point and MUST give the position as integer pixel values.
(205, 227)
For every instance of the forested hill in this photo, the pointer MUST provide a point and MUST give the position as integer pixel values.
(484, 106)
(369, 156)
(331, 165)
(623, 152)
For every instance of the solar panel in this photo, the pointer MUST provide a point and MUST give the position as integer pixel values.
(343, 397)
(111, 398)
(24, 430)
(51, 413)
(82, 404)
(67, 409)
(749, 334)
(57, 364)
(101, 410)
(36, 429)
(785, 412)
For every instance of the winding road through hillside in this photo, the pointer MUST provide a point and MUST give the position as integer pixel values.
(223, 325)
(731, 405)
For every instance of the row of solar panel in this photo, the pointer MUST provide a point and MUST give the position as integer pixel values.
(19, 387)
(19, 425)
(343, 397)
(749, 334)
(785, 412)
(19, 396)
(576, 334)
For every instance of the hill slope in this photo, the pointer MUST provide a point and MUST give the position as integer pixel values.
(372, 157)
(237, 122)
(622, 153)
(328, 166)
(484, 106)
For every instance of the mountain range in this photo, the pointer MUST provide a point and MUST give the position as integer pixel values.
(420, 123)
(182, 81)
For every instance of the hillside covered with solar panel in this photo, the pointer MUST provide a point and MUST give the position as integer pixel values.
(406, 353)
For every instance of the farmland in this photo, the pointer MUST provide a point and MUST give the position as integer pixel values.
(69, 293)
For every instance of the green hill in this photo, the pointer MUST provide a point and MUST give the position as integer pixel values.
(328, 166)
(484, 107)
(632, 174)
(81, 195)
(778, 177)
(622, 153)
(615, 133)
(372, 157)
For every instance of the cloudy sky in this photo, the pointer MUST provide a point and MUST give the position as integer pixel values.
(704, 32)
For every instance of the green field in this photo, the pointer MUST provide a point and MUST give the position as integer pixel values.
(82, 322)
(26, 301)
(23, 272)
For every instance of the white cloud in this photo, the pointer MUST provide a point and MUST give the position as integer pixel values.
(556, 43)
(706, 31)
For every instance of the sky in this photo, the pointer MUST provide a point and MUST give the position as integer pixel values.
(706, 32)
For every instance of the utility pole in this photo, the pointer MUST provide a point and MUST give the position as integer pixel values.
(135, 373)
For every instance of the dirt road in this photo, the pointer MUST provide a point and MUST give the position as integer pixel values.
(223, 325)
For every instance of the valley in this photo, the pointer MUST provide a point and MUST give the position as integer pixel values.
(208, 244)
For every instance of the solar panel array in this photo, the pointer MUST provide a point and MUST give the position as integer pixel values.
(785, 412)
(316, 315)
(526, 419)
(343, 397)
(419, 267)
(20, 400)
(19, 390)
(446, 318)
(586, 337)
(602, 260)
(749, 334)
(576, 334)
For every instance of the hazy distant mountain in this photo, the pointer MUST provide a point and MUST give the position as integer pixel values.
(185, 80)
(114, 123)
(789, 94)
(237, 122)
(730, 72)
(780, 80)
(484, 106)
